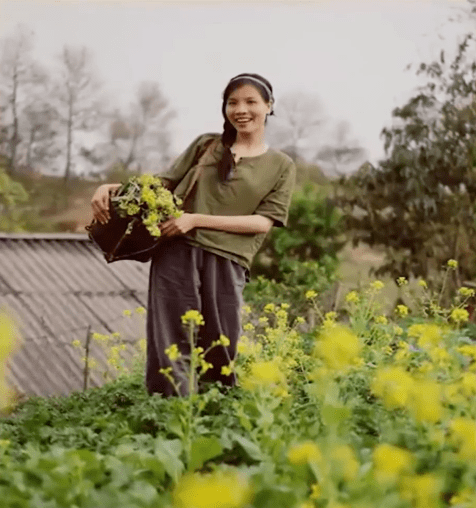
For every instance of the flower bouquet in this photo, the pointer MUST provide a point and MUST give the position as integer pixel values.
(136, 210)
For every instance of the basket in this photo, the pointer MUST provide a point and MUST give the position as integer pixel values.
(123, 238)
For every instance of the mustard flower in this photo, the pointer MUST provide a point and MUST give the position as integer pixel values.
(402, 310)
(220, 489)
(452, 263)
(467, 292)
(459, 315)
(316, 491)
(390, 462)
(140, 310)
(304, 453)
(246, 309)
(269, 308)
(338, 347)
(310, 294)
(249, 327)
(352, 297)
(193, 316)
(381, 320)
(173, 352)
(463, 436)
(423, 284)
(402, 281)
(423, 491)
(377, 285)
(397, 330)
(264, 373)
(393, 385)
(226, 370)
(224, 340)
(127, 313)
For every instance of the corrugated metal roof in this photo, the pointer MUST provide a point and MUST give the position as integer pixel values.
(59, 287)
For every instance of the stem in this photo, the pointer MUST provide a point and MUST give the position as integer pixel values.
(191, 392)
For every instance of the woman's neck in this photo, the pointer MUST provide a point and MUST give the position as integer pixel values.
(250, 142)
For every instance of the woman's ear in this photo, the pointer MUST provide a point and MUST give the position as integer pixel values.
(270, 107)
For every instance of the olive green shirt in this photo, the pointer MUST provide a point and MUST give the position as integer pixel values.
(260, 185)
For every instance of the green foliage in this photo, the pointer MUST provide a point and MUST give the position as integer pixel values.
(12, 196)
(301, 256)
(418, 203)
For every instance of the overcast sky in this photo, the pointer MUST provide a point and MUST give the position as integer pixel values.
(352, 54)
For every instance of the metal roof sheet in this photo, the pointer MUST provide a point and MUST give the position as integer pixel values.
(58, 287)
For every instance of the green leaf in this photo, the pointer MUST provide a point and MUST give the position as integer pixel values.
(203, 449)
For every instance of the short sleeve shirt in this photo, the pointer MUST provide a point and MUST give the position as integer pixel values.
(260, 185)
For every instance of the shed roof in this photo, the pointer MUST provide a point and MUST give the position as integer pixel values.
(59, 288)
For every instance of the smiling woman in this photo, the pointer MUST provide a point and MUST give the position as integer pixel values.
(207, 252)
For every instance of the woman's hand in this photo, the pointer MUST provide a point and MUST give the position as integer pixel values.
(178, 225)
(100, 202)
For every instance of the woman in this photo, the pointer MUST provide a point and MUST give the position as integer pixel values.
(245, 188)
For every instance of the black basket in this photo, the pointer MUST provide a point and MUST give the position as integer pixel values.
(123, 238)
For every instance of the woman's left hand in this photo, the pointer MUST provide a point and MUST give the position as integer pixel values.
(178, 225)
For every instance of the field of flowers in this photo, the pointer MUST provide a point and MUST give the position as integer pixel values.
(364, 410)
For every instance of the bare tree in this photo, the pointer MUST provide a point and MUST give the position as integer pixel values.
(77, 95)
(341, 151)
(18, 74)
(141, 139)
(297, 125)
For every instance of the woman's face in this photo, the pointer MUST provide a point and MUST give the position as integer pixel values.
(246, 109)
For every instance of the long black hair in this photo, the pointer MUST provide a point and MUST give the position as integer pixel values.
(229, 132)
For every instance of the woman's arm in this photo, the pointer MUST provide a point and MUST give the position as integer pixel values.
(241, 224)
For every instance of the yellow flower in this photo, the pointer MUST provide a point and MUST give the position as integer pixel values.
(468, 350)
(269, 308)
(422, 283)
(9, 343)
(220, 489)
(459, 315)
(140, 310)
(193, 316)
(249, 327)
(452, 263)
(303, 453)
(381, 320)
(465, 498)
(173, 352)
(463, 436)
(316, 491)
(402, 310)
(424, 401)
(76, 343)
(339, 347)
(423, 491)
(226, 371)
(397, 330)
(352, 297)
(246, 309)
(390, 462)
(266, 373)
(464, 291)
(468, 384)
(402, 281)
(393, 385)
(224, 340)
(285, 306)
(126, 313)
(263, 320)
(300, 320)
(310, 294)
(377, 285)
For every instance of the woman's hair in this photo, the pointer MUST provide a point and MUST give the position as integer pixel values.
(229, 132)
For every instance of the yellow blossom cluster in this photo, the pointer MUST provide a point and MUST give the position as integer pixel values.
(219, 489)
(9, 343)
(338, 347)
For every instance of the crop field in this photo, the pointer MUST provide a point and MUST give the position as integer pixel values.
(365, 409)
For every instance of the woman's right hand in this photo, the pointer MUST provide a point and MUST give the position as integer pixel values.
(100, 201)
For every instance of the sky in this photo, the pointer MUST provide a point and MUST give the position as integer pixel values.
(352, 54)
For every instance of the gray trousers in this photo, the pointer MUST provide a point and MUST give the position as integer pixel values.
(185, 277)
